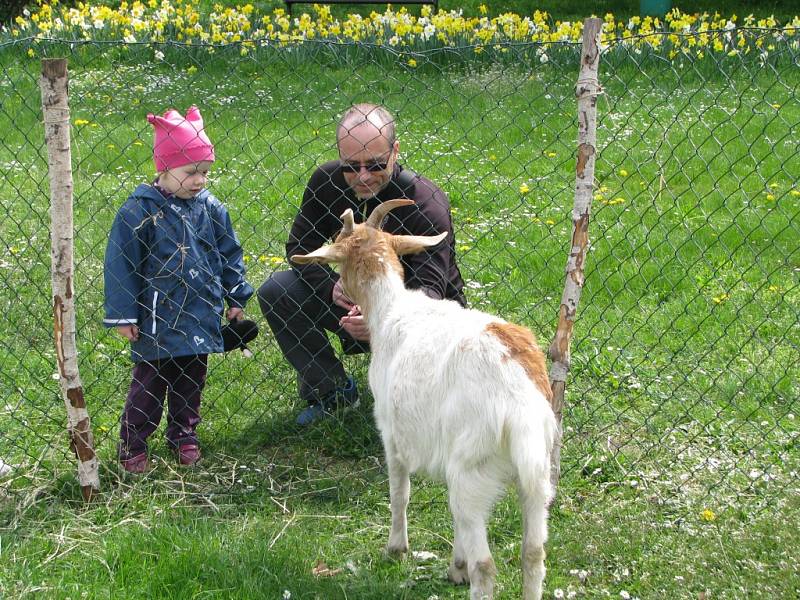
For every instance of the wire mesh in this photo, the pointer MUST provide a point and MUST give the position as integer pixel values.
(684, 380)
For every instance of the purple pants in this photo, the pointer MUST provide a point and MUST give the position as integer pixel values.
(184, 378)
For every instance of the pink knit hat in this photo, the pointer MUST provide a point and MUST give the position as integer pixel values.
(179, 141)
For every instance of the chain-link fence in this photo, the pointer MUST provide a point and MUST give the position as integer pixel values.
(684, 379)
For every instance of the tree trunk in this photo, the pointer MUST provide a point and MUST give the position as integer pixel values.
(586, 91)
(55, 107)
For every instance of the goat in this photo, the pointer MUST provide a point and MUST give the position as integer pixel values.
(459, 394)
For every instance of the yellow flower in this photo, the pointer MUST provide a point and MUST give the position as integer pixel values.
(721, 298)
(412, 62)
(708, 515)
(776, 105)
(31, 53)
(80, 122)
(483, 9)
(774, 185)
(623, 173)
(770, 197)
(524, 189)
(795, 193)
(551, 154)
(464, 248)
(550, 222)
(191, 70)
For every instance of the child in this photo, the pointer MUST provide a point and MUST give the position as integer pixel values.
(171, 261)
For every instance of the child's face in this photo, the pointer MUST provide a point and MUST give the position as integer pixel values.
(185, 181)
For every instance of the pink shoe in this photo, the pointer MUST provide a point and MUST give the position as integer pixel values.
(188, 454)
(136, 465)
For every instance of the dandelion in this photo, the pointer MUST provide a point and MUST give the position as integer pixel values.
(464, 248)
(795, 193)
(770, 197)
(550, 222)
(775, 106)
(31, 53)
(721, 298)
(412, 62)
(623, 173)
(80, 122)
(551, 154)
(191, 70)
(524, 189)
(708, 515)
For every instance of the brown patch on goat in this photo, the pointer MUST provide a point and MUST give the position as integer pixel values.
(523, 348)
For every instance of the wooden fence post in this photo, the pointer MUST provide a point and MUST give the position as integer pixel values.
(55, 107)
(586, 91)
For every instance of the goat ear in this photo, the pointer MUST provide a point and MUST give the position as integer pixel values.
(326, 254)
(411, 244)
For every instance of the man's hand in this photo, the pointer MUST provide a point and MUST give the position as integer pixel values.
(354, 324)
(234, 314)
(129, 332)
(340, 298)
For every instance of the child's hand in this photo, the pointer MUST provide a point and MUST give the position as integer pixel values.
(234, 314)
(129, 332)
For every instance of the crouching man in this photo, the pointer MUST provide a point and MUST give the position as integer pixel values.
(302, 304)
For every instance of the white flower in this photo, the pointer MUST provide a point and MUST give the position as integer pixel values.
(624, 595)
(543, 58)
(159, 55)
(287, 594)
(558, 593)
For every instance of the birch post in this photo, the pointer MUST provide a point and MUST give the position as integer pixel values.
(586, 91)
(55, 107)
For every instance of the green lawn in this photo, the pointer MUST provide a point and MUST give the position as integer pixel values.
(681, 450)
(563, 10)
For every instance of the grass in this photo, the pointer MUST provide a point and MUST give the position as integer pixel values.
(562, 10)
(681, 450)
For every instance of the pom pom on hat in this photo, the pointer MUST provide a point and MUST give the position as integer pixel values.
(179, 140)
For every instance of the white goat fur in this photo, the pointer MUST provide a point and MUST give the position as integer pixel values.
(452, 401)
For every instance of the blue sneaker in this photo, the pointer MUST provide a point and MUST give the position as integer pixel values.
(342, 397)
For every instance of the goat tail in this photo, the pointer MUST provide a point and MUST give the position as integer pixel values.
(530, 447)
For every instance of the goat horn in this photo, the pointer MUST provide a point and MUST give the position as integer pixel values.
(377, 215)
(347, 221)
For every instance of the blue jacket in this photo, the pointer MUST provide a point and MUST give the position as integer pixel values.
(169, 265)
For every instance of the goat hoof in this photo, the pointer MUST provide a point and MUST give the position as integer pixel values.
(396, 552)
(457, 573)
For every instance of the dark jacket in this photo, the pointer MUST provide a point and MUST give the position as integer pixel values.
(327, 196)
(169, 265)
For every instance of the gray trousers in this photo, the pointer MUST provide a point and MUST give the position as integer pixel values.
(300, 318)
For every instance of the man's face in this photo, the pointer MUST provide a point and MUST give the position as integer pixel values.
(185, 181)
(367, 159)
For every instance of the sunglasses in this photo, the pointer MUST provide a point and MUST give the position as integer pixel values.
(371, 167)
